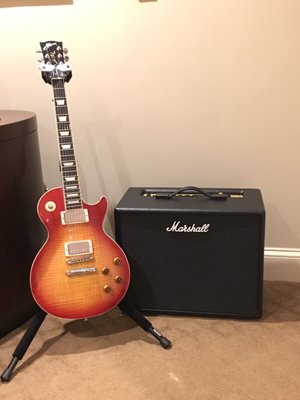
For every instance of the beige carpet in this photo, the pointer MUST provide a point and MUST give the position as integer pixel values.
(109, 357)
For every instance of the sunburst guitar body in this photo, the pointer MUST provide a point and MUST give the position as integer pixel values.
(80, 271)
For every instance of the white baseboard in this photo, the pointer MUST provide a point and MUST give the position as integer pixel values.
(282, 264)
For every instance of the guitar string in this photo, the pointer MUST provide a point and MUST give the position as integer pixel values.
(60, 94)
(66, 155)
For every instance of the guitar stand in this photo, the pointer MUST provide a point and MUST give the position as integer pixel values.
(39, 317)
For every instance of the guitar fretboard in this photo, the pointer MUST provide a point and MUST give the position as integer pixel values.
(69, 172)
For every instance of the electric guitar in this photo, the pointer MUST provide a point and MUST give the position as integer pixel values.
(80, 271)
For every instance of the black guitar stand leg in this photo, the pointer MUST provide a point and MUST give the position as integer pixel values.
(39, 317)
(144, 323)
(24, 344)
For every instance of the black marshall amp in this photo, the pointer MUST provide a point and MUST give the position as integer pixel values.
(194, 251)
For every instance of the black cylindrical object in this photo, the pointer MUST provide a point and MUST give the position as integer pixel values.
(21, 232)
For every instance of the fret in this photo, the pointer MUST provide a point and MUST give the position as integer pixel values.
(62, 107)
(69, 173)
(62, 126)
(72, 206)
(67, 157)
(62, 112)
(71, 191)
(70, 169)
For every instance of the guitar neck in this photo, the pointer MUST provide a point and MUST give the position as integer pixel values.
(70, 180)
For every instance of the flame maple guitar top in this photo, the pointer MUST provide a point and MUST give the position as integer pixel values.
(80, 271)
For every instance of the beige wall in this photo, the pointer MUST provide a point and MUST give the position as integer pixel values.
(169, 93)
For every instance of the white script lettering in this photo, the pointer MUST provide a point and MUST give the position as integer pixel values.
(176, 227)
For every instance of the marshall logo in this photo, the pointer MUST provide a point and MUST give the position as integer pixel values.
(176, 227)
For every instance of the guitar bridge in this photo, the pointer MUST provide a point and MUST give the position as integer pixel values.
(72, 261)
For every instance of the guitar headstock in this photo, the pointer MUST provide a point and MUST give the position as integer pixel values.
(54, 63)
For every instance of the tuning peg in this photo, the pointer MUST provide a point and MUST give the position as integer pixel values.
(40, 60)
(39, 51)
(65, 50)
(66, 58)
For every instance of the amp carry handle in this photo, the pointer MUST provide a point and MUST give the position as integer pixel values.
(212, 196)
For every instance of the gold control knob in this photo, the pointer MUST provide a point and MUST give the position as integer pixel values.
(116, 261)
(118, 278)
(106, 288)
(105, 270)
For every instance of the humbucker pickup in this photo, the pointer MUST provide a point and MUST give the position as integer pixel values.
(78, 248)
(77, 216)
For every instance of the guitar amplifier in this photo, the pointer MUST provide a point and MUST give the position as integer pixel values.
(194, 252)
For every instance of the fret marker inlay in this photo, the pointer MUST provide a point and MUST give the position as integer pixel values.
(66, 146)
(71, 187)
